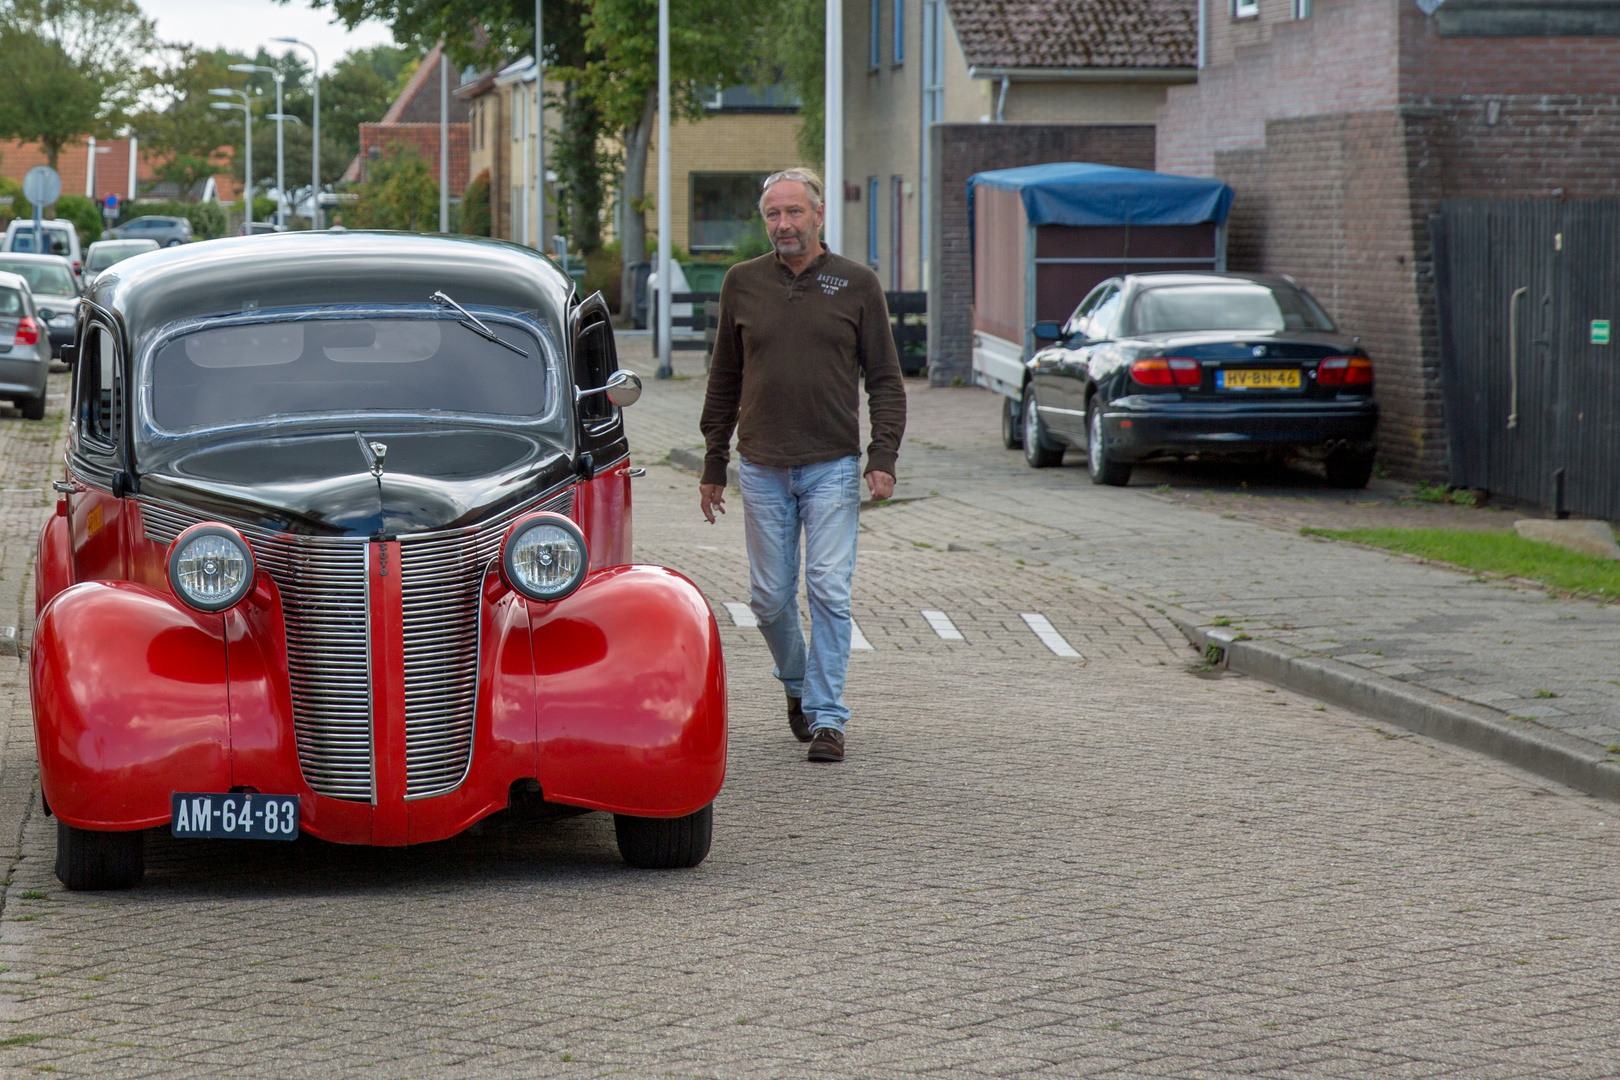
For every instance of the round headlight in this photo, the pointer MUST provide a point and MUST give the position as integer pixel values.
(544, 557)
(211, 567)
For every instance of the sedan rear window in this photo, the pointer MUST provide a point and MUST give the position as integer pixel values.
(258, 371)
(11, 303)
(1227, 306)
(43, 277)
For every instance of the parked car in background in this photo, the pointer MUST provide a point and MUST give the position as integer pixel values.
(354, 561)
(167, 231)
(259, 228)
(105, 253)
(1209, 365)
(61, 238)
(25, 348)
(55, 288)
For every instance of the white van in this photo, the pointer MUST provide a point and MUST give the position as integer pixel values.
(61, 238)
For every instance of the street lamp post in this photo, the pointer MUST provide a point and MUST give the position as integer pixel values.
(539, 131)
(247, 113)
(315, 137)
(278, 116)
(833, 124)
(665, 368)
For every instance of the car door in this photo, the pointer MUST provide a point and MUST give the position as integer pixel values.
(95, 458)
(1090, 326)
(1053, 368)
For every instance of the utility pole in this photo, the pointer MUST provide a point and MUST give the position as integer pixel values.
(539, 130)
(444, 142)
(665, 368)
(315, 149)
(247, 148)
(833, 135)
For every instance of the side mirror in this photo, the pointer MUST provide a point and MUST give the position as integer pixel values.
(70, 353)
(624, 388)
(1048, 331)
(47, 313)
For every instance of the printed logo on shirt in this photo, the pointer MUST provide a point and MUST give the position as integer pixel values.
(829, 284)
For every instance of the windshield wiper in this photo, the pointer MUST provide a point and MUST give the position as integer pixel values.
(470, 321)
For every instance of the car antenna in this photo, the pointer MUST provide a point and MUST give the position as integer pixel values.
(470, 321)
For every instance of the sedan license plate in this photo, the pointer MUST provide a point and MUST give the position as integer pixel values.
(1258, 379)
(235, 816)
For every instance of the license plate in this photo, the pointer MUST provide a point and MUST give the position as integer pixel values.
(1258, 379)
(235, 816)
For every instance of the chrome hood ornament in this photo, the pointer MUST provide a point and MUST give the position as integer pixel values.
(376, 455)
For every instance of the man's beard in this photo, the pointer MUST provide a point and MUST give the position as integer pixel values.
(796, 243)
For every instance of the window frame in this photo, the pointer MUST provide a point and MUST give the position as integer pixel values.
(89, 441)
(872, 222)
(1245, 9)
(875, 50)
(899, 33)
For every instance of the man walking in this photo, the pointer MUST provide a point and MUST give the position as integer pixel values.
(799, 328)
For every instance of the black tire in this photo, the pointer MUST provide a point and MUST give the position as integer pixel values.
(174, 243)
(665, 843)
(1102, 470)
(1346, 469)
(1012, 424)
(92, 861)
(33, 408)
(1039, 448)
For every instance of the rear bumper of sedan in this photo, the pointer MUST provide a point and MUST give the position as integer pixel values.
(1135, 432)
(23, 371)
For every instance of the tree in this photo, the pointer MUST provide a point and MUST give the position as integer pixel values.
(400, 193)
(794, 49)
(178, 127)
(475, 206)
(358, 89)
(72, 68)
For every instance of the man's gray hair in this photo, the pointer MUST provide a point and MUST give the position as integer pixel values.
(807, 177)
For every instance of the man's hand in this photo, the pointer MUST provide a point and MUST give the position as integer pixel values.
(882, 485)
(712, 497)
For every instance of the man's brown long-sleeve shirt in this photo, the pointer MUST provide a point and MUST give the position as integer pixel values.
(788, 362)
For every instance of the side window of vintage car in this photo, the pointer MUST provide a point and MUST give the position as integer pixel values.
(595, 358)
(100, 395)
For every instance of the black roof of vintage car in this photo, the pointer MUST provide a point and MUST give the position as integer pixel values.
(298, 269)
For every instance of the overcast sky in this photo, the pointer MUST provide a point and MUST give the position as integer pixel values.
(245, 25)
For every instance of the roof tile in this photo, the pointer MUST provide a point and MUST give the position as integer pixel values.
(1077, 33)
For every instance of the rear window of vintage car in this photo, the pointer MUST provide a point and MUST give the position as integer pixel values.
(1234, 306)
(259, 371)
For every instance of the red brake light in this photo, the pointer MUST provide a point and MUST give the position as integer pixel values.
(27, 332)
(1167, 371)
(1345, 371)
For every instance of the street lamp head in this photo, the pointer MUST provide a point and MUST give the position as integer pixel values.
(287, 40)
(245, 68)
(220, 91)
(223, 105)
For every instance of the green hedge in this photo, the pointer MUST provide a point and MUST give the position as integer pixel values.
(84, 214)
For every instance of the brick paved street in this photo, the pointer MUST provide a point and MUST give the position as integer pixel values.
(1032, 864)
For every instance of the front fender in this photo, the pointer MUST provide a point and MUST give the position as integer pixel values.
(53, 569)
(130, 704)
(630, 695)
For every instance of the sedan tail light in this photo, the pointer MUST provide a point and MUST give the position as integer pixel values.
(27, 331)
(1345, 371)
(1167, 371)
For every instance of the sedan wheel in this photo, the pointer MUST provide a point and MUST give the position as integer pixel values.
(1103, 471)
(1012, 424)
(1039, 449)
(665, 843)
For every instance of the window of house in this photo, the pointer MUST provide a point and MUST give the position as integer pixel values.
(876, 51)
(1244, 9)
(899, 31)
(872, 222)
(724, 209)
(1302, 9)
(518, 121)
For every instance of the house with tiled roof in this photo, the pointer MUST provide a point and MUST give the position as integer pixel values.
(413, 121)
(936, 90)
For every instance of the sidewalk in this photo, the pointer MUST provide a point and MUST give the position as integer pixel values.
(1493, 665)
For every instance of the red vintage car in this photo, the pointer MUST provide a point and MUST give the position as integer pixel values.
(343, 548)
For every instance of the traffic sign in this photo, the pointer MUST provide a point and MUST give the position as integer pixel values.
(112, 202)
(42, 185)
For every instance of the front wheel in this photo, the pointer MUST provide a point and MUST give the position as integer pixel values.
(665, 843)
(1012, 423)
(1102, 470)
(93, 861)
(33, 408)
(1039, 449)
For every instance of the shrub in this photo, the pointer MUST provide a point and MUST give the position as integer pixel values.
(84, 214)
(19, 208)
(475, 215)
(400, 193)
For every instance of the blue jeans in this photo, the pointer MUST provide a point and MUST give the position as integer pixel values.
(824, 500)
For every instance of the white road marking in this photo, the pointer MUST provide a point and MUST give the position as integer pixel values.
(1049, 636)
(943, 626)
(740, 614)
(857, 640)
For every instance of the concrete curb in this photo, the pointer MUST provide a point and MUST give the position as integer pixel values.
(690, 458)
(1551, 754)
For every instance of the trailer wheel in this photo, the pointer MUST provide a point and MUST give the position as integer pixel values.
(1012, 424)
(1040, 449)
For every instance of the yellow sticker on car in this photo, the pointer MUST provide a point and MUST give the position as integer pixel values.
(1258, 379)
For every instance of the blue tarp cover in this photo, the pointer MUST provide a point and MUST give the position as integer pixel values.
(1075, 193)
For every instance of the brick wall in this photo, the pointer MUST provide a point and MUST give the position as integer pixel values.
(964, 149)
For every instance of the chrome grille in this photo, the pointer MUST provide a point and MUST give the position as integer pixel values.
(323, 588)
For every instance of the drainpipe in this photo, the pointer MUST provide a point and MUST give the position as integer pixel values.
(1203, 30)
(1001, 100)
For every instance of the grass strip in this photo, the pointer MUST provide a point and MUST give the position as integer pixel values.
(1496, 553)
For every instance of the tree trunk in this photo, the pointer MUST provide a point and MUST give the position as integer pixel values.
(633, 244)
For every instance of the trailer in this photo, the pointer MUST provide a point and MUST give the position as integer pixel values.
(1045, 235)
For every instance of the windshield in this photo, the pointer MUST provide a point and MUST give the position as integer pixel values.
(56, 241)
(53, 279)
(103, 257)
(1237, 305)
(260, 371)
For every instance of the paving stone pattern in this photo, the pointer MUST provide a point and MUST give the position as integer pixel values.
(1029, 865)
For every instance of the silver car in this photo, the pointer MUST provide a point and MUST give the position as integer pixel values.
(104, 253)
(167, 231)
(55, 289)
(25, 347)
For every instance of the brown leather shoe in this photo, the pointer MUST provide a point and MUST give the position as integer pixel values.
(828, 745)
(797, 720)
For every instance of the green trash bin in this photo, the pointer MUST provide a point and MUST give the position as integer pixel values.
(704, 277)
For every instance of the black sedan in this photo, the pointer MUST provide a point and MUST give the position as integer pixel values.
(1206, 365)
